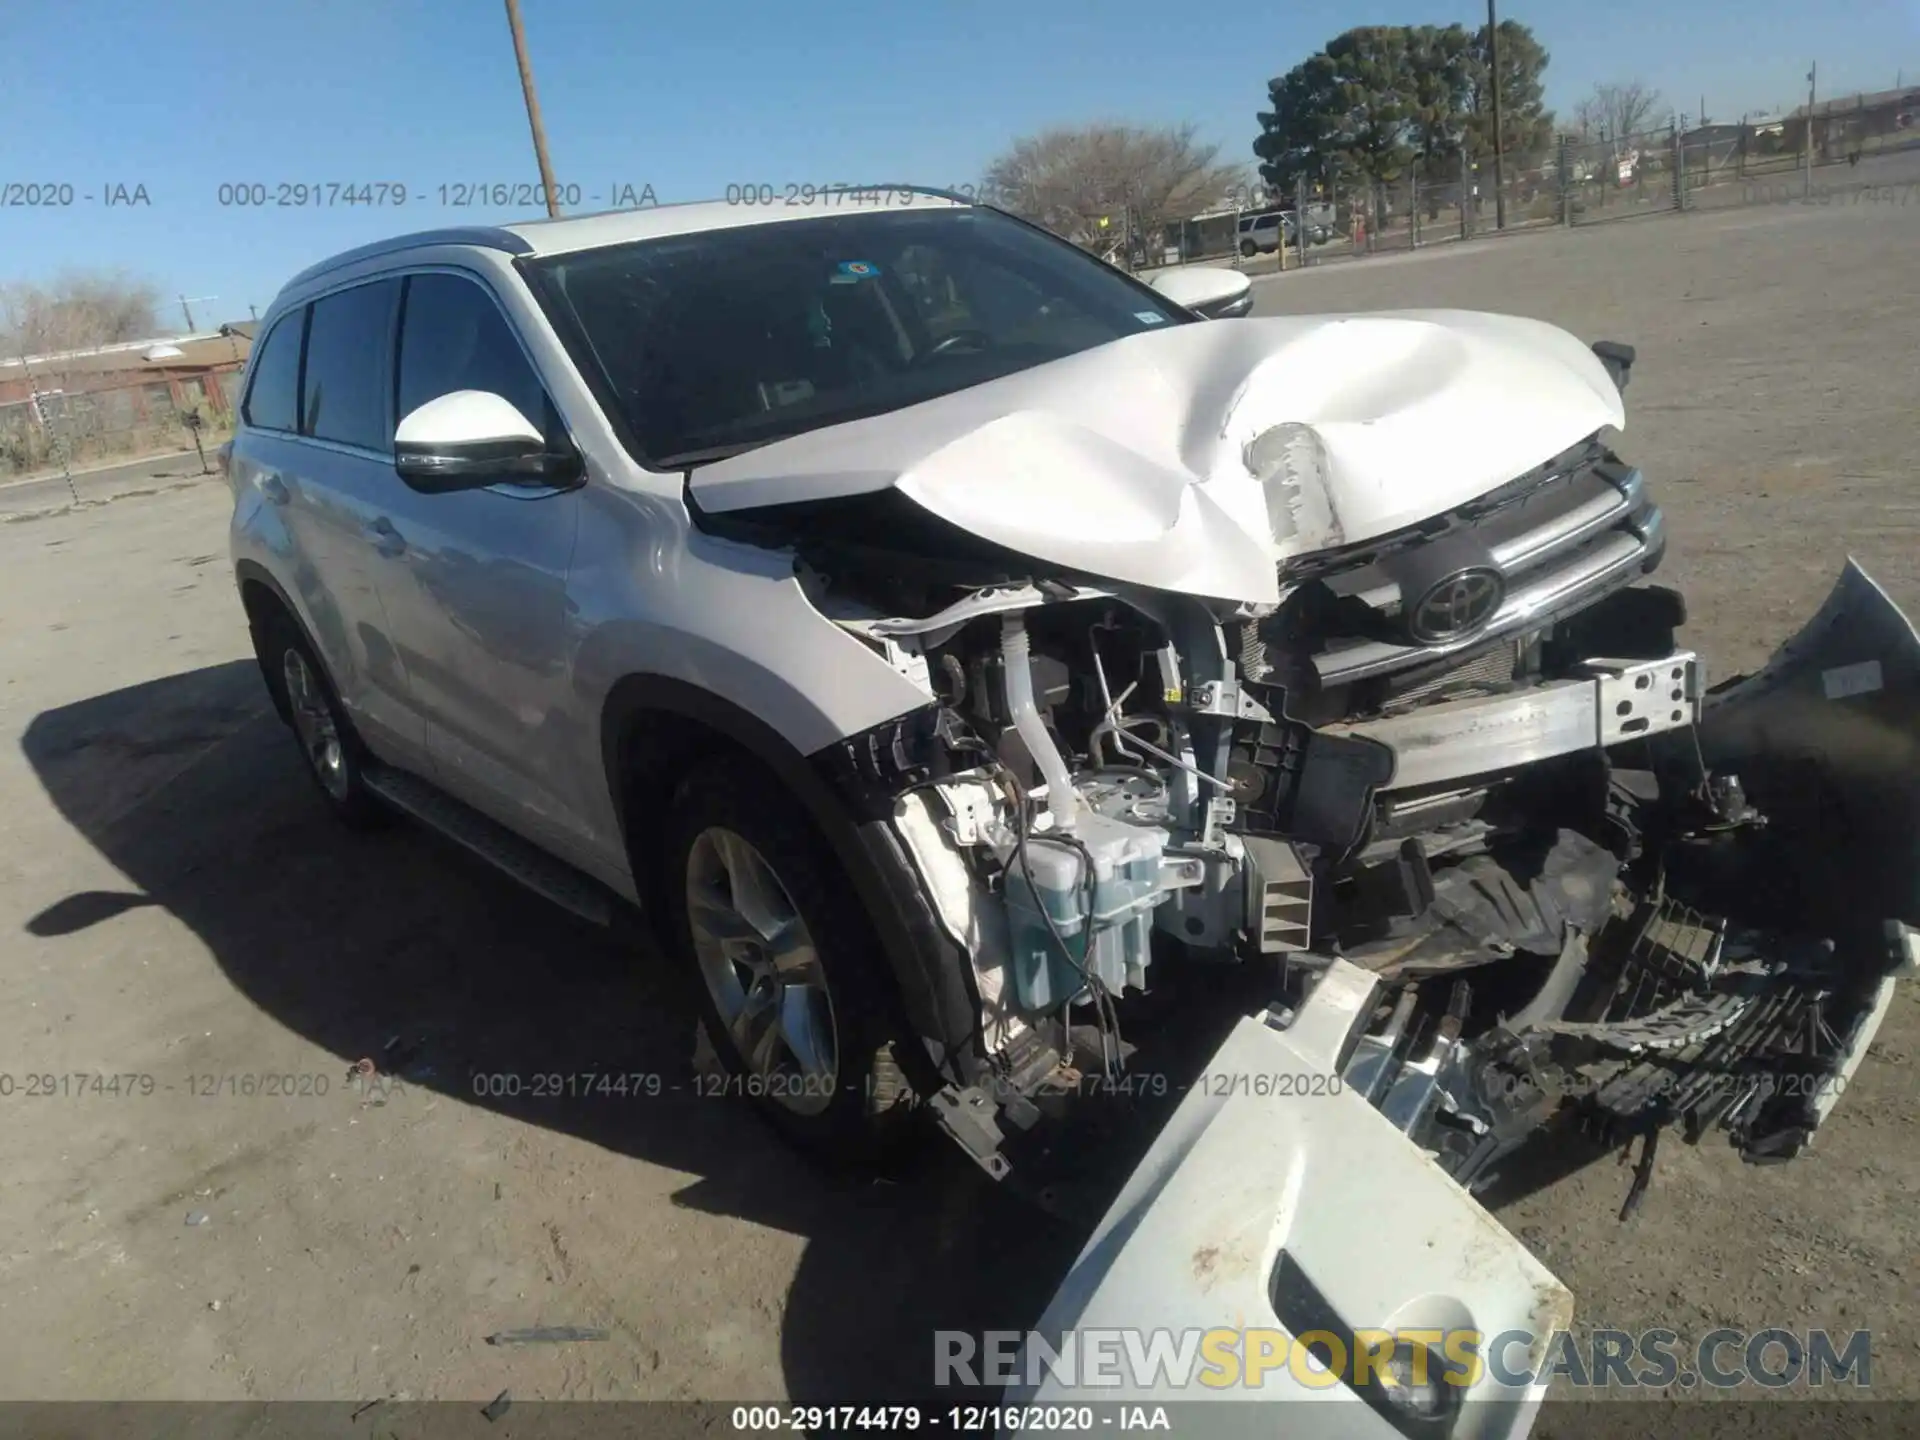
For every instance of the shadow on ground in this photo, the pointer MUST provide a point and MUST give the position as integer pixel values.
(397, 946)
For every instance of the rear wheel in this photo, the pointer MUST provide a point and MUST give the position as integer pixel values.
(333, 754)
(1249, 249)
(789, 980)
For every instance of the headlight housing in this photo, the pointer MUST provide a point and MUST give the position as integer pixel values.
(1290, 461)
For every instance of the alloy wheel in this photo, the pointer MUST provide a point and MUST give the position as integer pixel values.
(313, 723)
(762, 972)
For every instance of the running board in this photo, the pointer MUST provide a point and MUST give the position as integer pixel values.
(523, 861)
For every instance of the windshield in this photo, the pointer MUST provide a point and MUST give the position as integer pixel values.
(711, 343)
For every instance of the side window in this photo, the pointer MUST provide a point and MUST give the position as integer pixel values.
(453, 337)
(273, 396)
(348, 341)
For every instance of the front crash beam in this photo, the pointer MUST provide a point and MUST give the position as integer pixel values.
(1615, 701)
(1276, 1205)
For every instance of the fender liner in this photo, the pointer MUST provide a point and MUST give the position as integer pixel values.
(247, 572)
(931, 975)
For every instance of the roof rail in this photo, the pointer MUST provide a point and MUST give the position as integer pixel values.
(933, 190)
(486, 236)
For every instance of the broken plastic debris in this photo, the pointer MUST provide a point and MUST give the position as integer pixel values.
(197, 1217)
(546, 1335)
(499, 1405)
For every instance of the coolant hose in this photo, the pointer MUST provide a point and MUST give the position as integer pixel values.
(1018, 667)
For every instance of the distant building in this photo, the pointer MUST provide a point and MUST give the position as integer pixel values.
(1852, 119)
(170, 373)
(120, 398)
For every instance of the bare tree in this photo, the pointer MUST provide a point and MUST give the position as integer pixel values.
(1072, 179)
(76, 312)
(1618, 108)
(1590, 115)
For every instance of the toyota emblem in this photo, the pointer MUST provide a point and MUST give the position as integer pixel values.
(1457, 606)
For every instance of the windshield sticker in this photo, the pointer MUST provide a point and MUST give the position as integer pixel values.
(852, 272)
(1147, 317)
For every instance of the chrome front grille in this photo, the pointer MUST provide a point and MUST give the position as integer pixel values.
(1565, 542)
(1491, 670)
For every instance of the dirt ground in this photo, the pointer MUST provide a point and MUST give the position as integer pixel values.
(243, 1220)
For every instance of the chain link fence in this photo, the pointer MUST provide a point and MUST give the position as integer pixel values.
(56, 426)
(1856, 150)
(1620, 177)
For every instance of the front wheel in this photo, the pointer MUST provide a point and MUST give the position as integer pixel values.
(790, 983)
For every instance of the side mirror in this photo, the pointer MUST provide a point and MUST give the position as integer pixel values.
(1207, 290)
(469, 439)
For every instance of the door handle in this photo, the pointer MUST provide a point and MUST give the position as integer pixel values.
(386, 539)
(273, 487)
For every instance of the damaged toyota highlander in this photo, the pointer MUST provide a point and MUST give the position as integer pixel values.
(943, 638)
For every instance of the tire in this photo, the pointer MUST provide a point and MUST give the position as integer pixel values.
(331, 753)
(1249, 249)
(792, 991)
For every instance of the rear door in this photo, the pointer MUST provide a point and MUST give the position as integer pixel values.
(340, 473)
(310, 449)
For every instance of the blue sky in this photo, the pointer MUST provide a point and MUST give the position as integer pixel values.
(692, 97)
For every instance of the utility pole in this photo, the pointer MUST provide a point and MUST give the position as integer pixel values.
(186, 302)
(1807, 184)
(1493, 71)
(533, 109)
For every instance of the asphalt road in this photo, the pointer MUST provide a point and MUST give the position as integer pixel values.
(48, 493)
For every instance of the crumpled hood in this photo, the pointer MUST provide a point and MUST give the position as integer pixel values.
(1130, 461)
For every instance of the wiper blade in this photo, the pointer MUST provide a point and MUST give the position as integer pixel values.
(687, 459)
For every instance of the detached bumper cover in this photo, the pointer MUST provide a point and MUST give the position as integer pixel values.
(1278, 1200)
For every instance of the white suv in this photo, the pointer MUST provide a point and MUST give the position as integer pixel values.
(1264, 234)
(936, 632)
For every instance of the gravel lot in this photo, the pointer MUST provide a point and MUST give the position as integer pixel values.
(174, 906)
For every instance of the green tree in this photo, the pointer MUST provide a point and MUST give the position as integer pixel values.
(1526, 125)
(1442, 63)
(1342, 114)
(1298, 137)
(1380, 99)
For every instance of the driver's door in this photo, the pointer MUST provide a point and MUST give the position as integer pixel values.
(481, 576)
